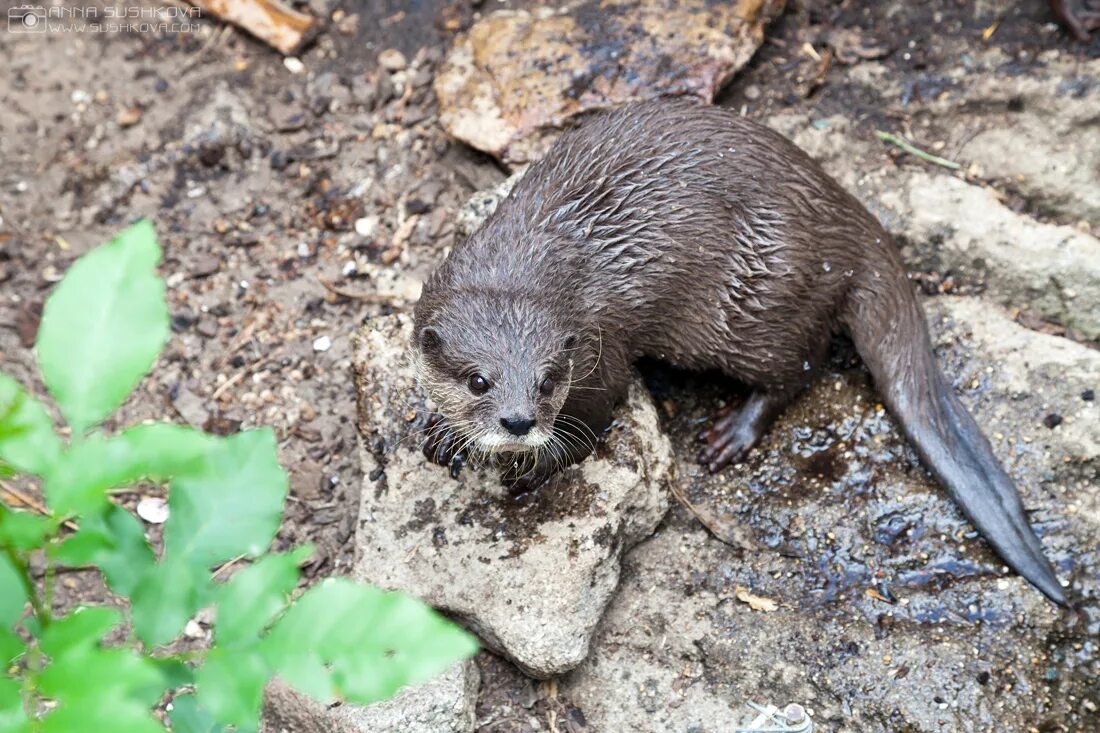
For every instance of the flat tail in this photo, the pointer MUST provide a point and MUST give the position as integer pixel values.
(891, 336)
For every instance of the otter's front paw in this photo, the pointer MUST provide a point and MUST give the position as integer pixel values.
(444, 446)
(525, 477)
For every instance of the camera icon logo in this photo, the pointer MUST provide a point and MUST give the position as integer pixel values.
(27, 19)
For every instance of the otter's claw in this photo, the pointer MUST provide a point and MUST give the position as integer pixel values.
(441, 447)
(523, 478)
(735, 432)
(728, 441)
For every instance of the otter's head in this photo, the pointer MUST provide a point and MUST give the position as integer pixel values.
(497, 365)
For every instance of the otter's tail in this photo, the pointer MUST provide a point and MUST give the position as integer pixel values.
(891, 336)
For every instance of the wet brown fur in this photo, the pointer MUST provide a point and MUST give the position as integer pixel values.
(687, 233)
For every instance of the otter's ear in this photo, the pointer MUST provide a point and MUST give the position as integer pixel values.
(429, 340)
(569, 343)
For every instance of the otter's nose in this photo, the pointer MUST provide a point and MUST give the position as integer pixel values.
(517, 425)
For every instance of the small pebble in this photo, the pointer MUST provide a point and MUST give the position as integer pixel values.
(367, 226)
(153, 509)
(392, 60)
(322, 343)
(205, 265)
(1052, 420)
(1088, 395)
(129, 116)
(294, 65)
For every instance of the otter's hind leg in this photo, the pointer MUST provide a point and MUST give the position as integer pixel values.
(737, 431)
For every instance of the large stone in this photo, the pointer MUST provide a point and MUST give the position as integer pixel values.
(1051, 159)
(892, 614)
(517, 76)
(441, 705)
(950, 225)
(961, 228)
(531, 577)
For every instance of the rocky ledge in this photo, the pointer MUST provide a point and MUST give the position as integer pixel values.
(530, 576)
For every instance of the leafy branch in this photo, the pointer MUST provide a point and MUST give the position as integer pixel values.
(102, 668)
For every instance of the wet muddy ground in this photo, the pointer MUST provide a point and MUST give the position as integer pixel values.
(287, 202)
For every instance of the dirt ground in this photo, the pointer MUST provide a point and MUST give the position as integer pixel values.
(287, 202)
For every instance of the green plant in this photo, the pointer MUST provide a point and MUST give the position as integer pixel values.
(104, 668)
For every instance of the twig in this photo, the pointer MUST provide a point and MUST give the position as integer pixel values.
(228, 565)
(377, 298)
(32, 503)
(217, 37)
(29, 588)
(912, 150)
(712, 525)
(239, 376)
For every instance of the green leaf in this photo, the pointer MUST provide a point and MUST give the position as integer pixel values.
(27, 439)
(89, 675)
(252, 597)
(175, 671)
(92, 467)
(23, 530)
(13, 593)
(103, 326)
(106, 714)
(373, 642)
(232, 506)
(113, 540)
(188, 716)
(165, 598)
(84, 627)
(230, 684)
(11, 648)
(13, 718)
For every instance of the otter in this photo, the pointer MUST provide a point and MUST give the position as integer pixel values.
(686, 233)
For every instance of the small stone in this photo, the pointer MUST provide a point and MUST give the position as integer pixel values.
(392, 60)
(322, 343)
(752, 92)
(306, 480)
(129, 116)
(153, 509)
(367, 226)
(348, 24)
(208, 327)
(1052, 420)
(294, 65)
(191, 408)
(1088, 395)
(205, 266)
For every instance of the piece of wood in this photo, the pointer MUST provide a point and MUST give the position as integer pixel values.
(280, 27)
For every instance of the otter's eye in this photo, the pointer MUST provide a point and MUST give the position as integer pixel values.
(478, 384)
(547, 387)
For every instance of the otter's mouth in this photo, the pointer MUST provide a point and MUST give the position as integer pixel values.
(509, 444)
